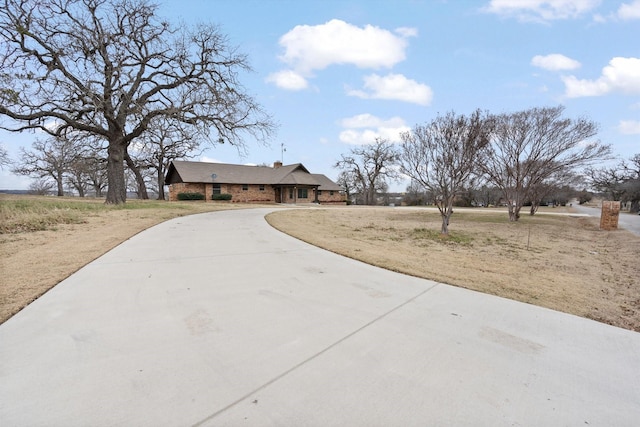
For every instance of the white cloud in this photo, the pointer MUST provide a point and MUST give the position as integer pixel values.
(555, 62)
(315, 47)
(287, 79)
(209, 160)
(629, 127)
(621, 75)
(629, 11)
(53, 125)
(368, 120)
(541, 10)
(407, 31)
(394, 86)
(365, 128)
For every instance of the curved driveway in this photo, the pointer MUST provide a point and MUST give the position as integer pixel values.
(626, 220)
(219, 320)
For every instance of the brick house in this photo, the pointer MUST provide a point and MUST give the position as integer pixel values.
(252, 184)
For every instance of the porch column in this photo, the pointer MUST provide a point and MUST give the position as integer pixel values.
(208, 192)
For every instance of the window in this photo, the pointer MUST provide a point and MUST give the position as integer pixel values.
(331, 193)
(261, 187)
(319, 192)
(245, 187)
(216, 189)
(302, 193)
(291, 193)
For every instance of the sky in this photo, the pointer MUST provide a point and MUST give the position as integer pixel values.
(336, 74)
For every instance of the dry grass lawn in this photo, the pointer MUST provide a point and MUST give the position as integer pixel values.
(560, 262)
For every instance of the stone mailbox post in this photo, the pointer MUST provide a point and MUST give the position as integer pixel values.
(609, 215)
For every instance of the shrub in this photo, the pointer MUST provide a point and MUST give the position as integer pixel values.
(222, 196)
(190, 196)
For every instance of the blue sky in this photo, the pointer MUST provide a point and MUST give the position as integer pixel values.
(335, 74)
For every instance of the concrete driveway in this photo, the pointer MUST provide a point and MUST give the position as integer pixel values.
(219, 320)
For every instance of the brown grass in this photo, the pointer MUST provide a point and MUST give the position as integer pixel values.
(560, 262)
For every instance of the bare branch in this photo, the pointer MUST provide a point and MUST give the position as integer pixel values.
(368, 167)
(442, 156)
(530, 146)
(111, 68)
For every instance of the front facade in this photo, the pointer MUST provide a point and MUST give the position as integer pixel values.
(252, 184)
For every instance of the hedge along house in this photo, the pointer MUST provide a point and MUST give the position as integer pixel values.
(252, 184)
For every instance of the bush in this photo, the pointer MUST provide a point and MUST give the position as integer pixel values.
(190, 196)
(222, 196)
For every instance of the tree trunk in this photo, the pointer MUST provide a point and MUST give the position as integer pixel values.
(97, 187)
(534, 209)
(116, 190)
(371, 196)
(142, 187)
(514, 212)
(445, 224)
(445, 214)
(59, 183)
(160, 184)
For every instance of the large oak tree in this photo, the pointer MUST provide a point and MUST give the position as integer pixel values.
(367, 167)
(109, 68)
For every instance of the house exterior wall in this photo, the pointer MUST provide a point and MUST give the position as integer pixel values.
(325, 197)
(253, 194)
(183, 187)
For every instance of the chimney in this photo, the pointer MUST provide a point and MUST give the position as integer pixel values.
(277, 164)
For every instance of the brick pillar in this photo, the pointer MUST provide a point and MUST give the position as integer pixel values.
(609, 215)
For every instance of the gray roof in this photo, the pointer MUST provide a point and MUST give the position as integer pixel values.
(325, 183)
(202, 172)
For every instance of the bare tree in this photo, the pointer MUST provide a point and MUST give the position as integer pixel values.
(620, 182)
(89, 170)
(4, 157)
(76, 178)
(346, 180)
(369, 166)
(552, 186)
(52, 157)
(164, 142)
(442, 156)
(110, 67)
(133, 180)
(530, 146)
(486, 195)
(41, 186)
(415, 194)
(137, 171)
(632, 184)
(607, 180)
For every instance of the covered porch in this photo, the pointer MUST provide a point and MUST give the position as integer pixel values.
(296, 193)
